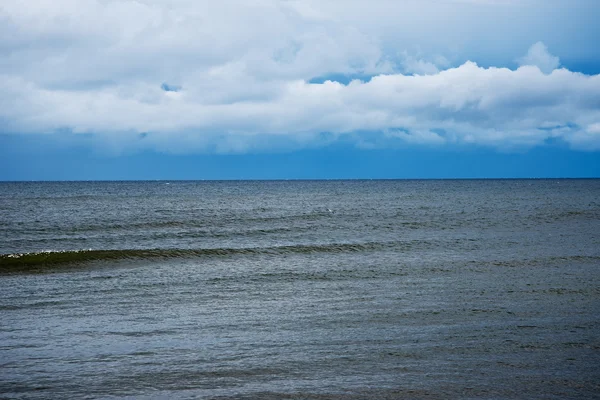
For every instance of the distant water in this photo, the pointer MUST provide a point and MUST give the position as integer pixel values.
(308, 290)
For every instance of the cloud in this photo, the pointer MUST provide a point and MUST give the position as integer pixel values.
(467, 104)
(233, 77)
(170, 88)
(538, 56)
(418, 66)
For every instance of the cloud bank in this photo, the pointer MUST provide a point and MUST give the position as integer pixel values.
(188, 76)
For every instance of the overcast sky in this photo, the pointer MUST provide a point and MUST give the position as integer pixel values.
(224, 77)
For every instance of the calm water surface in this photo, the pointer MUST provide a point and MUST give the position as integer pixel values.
(325, 289)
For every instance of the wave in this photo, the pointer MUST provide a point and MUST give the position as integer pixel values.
(40, 260)
(48, 258)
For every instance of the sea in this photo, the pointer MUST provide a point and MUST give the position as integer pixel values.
(357, 289)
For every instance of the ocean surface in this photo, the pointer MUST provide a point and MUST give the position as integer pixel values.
(483, 289)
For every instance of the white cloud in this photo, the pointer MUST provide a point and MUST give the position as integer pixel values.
(418, 66)
(241, 71)
(594, 129)
(469, 104)
(538, 56)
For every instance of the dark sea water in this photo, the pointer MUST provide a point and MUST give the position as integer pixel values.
(309, 290)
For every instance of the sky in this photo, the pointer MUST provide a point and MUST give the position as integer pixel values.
(299, 89)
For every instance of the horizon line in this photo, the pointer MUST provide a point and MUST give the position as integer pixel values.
(299, 179)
